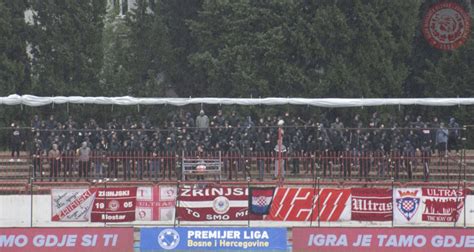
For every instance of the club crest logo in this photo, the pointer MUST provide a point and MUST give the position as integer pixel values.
(114, 205)
(221, 205)
(446, 25)
(408, 203)
(168, 239)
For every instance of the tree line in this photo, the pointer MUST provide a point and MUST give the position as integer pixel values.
(243, 48)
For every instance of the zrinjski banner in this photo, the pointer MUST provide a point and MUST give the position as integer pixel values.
(214, 204)
(156, 203)
(371, 204)
(71, 204)
(114, 205)
(305, 204)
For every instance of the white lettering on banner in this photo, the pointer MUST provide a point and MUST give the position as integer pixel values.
(437, 192)
(450, 241)
(363, 241)
(215, 217)
(13, 240)
(369, 205)
(216, 234)
(114, 193)
(442, 205)
(113, 217)
(390, 241)
(242, 213)
(227, 234)
(54, 241)
(332, 240)
(401, 241)
(238, 191)
(256, 235)
(66, 239)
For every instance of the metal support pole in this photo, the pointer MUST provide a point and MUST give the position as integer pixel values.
(31, 201)
(319, 212)
(464, 204)
(393, 216)
(105, 203)
(313, 202)
(250, 196)
(176, 206)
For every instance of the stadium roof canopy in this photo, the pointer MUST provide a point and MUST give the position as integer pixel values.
(35, 101)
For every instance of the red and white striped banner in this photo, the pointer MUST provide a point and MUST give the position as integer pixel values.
(305, 204)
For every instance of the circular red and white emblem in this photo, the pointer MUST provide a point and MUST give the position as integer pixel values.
(446, 25)
(221, 205)
(114, 205)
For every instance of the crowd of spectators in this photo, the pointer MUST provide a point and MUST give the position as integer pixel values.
(142, 149)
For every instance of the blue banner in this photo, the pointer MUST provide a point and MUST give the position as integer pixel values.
(213, 238)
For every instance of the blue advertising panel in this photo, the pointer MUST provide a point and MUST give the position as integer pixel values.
(212, 238)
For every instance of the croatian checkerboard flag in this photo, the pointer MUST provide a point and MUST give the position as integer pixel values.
(260, 199)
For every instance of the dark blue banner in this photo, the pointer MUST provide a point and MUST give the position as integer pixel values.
(213, 238)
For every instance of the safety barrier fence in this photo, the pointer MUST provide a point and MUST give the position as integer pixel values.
(159, 166)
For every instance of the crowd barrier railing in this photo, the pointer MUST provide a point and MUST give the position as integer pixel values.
(166, 165)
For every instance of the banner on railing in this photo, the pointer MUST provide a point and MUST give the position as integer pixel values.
(66, 239)
(407, 206)
(214, 204)
(72, 204)
(260, 199)
(208, 238)
(156, 203)
(442, 204)
(382, 239)
(93, 204)
(371, 204)
(114, 205)
(305, 204)
(469, 210)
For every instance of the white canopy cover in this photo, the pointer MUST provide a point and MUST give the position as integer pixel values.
(34, 101)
